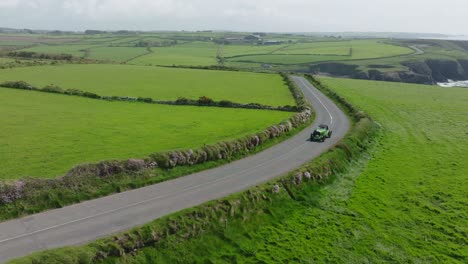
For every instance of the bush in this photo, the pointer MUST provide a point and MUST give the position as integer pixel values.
(18, 85)
(162, 159)
(205, 101)
(135, 165)
(91, 95)
(51, 88)
(145, 100)
(35, 55)
(225, 103)
(182, 100)
(74, 92)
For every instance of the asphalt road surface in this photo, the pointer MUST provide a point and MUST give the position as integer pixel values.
(417, 50)
(87, 221)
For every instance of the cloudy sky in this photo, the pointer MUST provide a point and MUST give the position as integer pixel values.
(426, 16)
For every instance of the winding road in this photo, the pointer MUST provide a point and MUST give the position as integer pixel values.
(417, 50)
(87, 221)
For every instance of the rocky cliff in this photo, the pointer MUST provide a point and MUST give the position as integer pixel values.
(425, 72)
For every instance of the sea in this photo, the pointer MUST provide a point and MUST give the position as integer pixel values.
(451, 83)
(460, 37)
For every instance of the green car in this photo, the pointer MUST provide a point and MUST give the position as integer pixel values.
(321, 133)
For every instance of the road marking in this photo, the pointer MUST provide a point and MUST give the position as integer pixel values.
(320, 101)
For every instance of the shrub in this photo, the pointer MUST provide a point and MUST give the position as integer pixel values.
(225, 103)
(182, 100)
(108, 168)
(51, 88)
(145, 100)
(135, 165)
(18, 85)
(162, 159)
(74, 92)
(205, 101)
(91, 95)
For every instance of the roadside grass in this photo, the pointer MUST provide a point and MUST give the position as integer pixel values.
(44, 135)
(405, 202)
(117, 54)
(158, 82)
(186, 54)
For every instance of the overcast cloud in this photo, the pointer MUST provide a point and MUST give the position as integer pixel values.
(426, 16)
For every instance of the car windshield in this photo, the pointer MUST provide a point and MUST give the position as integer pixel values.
(323, 126)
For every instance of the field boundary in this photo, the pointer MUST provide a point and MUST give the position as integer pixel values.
(215, 215)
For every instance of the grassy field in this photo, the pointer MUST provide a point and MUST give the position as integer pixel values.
(92, 50)
(328, 51)
(44, 135)
(158, 83)
(15, 43)
(187, 54)
(6, 60)
(403, 203)
(238, 50)
(75, 50)
(116, 54)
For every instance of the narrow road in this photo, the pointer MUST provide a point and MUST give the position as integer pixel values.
(417, 50)
(87, 221)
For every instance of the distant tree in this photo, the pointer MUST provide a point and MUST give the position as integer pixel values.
(94, 32)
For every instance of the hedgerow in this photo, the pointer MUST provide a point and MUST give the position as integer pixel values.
(201, 101)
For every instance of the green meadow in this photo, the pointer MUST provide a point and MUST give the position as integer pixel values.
(240, 50)
(327, 51)
(6, 60)
(158, 82)
(403, 202)
(78, 50)
(187, 54)
(116, 54)
(44, 135)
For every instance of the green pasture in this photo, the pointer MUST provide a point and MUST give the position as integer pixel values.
(327, 51)
(286, 59)
(239, 50)
(75, 50)
(6, 60)
(404, 202)
(158, 82)
(116, 54)
(186, 54)
(15, 43)
(44, 135)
